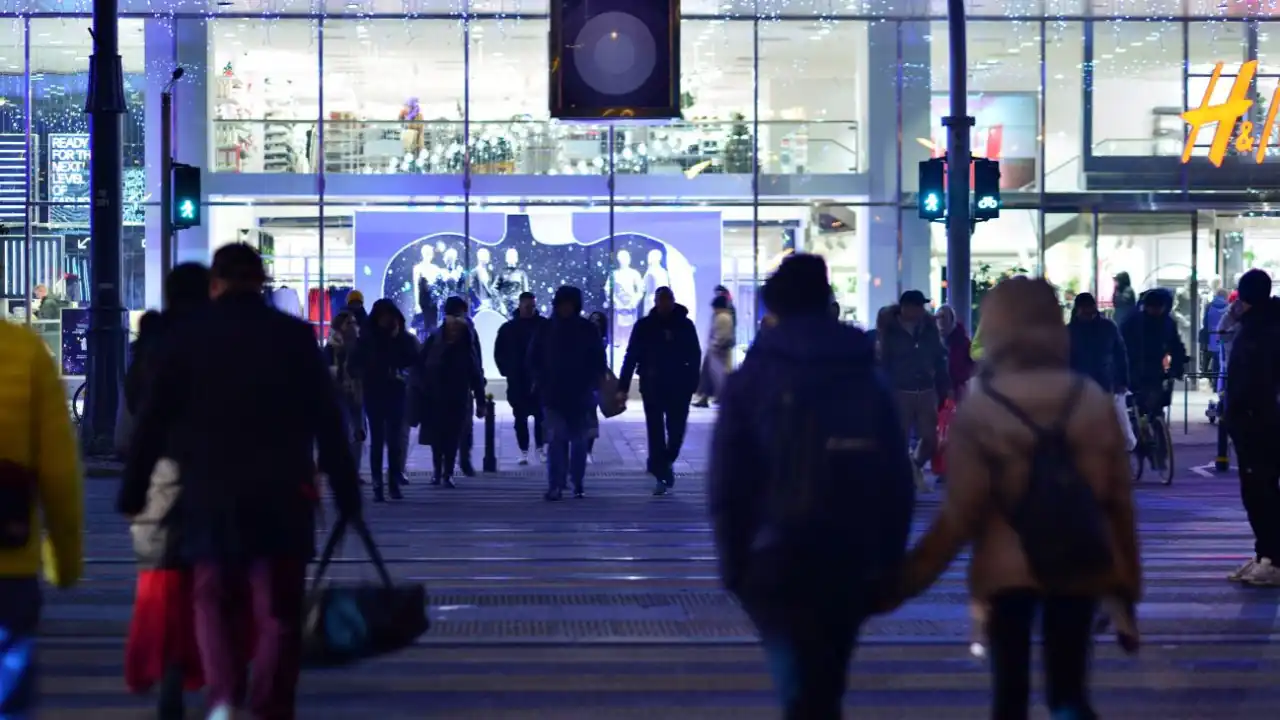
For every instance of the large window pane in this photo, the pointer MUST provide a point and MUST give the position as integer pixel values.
(510, 131)
(809, 99)
(14, 283)
(1064, 107)
(1137, 88)
(265, 95)
(393, 96)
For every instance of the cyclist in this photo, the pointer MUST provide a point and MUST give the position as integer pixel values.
(1156, 356)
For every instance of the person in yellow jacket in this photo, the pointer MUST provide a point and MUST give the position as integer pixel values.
(41, 504)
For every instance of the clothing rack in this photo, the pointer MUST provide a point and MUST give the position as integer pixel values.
(311, 300)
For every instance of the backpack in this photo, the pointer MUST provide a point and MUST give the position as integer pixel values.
(839, 492)
(1059, 521)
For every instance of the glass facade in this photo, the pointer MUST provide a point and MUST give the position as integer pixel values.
(392, 146)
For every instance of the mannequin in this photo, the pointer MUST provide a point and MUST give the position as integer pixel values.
(411, 133)
(626, 288)
(512, 281)
(451, 274)
(483, 289)
(655, 276)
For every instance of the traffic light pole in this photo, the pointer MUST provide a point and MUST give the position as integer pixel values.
(106, 339)
(958, 124)
(166, 181)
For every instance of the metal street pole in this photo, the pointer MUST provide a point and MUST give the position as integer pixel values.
(166, 181)
(105, 107)
(958, 124)
(167, 236)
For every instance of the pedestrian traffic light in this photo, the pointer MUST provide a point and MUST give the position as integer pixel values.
(933, 186)
(986, 189)
(186, 196)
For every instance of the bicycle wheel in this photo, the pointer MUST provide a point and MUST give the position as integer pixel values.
(1137, 461)
(77, 402)
(1166, 474)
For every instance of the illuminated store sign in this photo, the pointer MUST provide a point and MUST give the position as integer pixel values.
(1227, 115)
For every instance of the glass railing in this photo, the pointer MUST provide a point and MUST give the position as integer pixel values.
(533, 147)
(1141, 147)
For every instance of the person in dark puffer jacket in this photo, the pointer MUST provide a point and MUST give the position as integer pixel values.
(1097, 350)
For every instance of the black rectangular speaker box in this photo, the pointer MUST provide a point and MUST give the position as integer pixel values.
(615, 59)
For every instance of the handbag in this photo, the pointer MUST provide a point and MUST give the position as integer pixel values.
(609, 405)
(346, 623)
(939, 461)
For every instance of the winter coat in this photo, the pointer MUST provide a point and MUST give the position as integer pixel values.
(1098, 351)
(1253, 381)
(510, 349)
(959, 362)
(1029, 366)
(742, 457)
(665, 349)
(1214, 312)
(1148, 340)
(566, 364)
(451, 382)
(1123, 300)
(913, 360)
(243, 402)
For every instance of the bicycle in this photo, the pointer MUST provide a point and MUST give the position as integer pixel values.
(1155, 441)
(77, 402)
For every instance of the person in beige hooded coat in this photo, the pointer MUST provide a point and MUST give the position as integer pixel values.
(989, 456)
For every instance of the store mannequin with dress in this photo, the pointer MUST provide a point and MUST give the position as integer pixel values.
(655, 276)
(626, 291)
(483, 288)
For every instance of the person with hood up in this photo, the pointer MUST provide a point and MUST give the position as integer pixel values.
(453, 385)
(915, 361)
(1210, 338)
(996, 441)
(1253, 420)
(1097, 350)
(510, 349)
(566, 366)
(1123, 299)
(810, 489)
(1156, 354)
(387, 353)
(455, 306)
(718, 361)
(664, 345)
(956, 340)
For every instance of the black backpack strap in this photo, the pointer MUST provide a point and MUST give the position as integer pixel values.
(1073, 396)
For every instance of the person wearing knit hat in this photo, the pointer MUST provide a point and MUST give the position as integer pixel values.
(355, 306)
(1252, 417)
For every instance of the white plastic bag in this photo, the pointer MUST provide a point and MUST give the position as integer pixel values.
(1122, 414)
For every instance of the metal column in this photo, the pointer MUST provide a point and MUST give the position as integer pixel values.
(958, 124)
(107, 331)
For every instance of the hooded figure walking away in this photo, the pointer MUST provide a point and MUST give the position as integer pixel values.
(386, 354)
(451, 380)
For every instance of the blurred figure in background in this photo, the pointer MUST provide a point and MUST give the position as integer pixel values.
(601, 321)
(718, 362)
(1097, 350)
(510, 349)
(915, 361)
(186, 295)
(1210, 339)
(1038, 482)
(454, 388)
(1123, 300)
(956, 339)
(41, 506)
(386, 353)
(810, 489)
(355, 306)
(567, 364)
(457, 307)
(1156, 355)
(341, 355)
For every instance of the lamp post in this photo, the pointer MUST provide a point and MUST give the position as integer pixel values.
(166, 173)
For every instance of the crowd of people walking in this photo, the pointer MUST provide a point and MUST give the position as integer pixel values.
(235, 417)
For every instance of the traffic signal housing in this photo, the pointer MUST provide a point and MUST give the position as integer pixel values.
(986, 189)
(932, 196)
(186, 196)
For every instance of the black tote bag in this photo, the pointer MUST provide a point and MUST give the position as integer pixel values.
(346, 623)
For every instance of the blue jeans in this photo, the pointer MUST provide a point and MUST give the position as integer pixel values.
(808, 658)
(19, 616)
(566, 461)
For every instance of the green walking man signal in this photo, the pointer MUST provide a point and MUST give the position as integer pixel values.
(186, 196)
(932, 195)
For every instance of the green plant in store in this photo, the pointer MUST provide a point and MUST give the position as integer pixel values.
(983, 280)
(739, 147)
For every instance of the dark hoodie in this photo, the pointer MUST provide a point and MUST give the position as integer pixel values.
(511, 348)
(385, 360)
(666, 349)
(870, 538)
(1123, 298)
(1098, 351)
(1148, 339)
(1252, 415)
